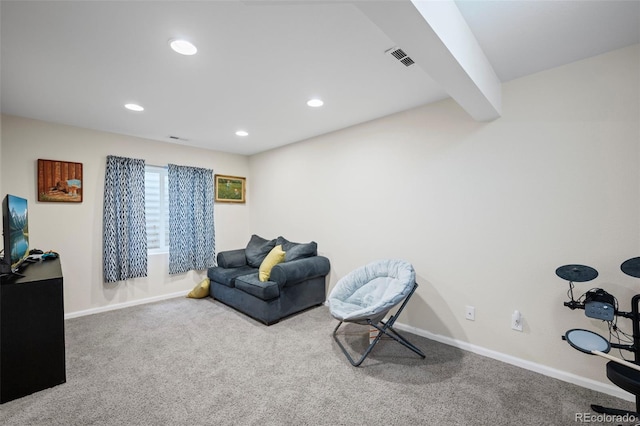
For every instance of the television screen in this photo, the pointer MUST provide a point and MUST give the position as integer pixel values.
(16, 231)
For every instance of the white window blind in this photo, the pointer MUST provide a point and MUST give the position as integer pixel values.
(157, 208)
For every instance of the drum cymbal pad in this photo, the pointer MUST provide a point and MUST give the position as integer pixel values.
(577, 273)
(631, 267)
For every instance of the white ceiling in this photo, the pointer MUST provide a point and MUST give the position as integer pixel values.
(258, 62)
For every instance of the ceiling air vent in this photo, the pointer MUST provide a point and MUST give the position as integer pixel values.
(399, 54)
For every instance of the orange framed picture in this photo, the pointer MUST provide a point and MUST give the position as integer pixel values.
(230, 189)
(59, 181)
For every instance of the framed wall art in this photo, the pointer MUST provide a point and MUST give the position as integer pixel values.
(230, 189)
(59, 181)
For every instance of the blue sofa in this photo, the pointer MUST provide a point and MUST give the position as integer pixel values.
(294, 285)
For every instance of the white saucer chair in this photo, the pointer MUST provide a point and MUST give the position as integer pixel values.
(367, 294)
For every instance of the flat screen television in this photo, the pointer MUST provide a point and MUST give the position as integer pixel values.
(15, 231)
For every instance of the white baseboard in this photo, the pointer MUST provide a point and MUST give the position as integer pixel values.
(124, 305)
(527, 365)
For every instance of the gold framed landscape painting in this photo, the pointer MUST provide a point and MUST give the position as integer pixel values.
(230, 189)
(59, 181)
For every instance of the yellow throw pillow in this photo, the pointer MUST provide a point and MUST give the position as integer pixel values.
(201, 290)
(275, 256)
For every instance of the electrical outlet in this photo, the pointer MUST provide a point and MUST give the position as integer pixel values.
(470, 313)
(516, 321)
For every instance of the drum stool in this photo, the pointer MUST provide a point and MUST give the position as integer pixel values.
(625, 378)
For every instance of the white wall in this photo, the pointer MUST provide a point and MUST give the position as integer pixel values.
(75, 230)
(485, 211)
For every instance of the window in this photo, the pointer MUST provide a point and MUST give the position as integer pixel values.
(157, 209)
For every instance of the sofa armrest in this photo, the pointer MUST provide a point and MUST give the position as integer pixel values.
(295, 271)
(232, 258)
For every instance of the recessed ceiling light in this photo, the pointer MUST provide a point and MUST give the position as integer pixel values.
(315, 102)
(134, 107)
(242, 133)
(183, 47)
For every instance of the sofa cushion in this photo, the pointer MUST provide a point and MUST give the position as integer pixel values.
(274, 257)
(227, 276)
(232, 258)
(297, 250)
(201, 290)
(257, 249)
(263, 290)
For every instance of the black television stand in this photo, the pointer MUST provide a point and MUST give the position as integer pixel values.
(32, 331)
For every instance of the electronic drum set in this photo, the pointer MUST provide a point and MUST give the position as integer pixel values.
(599, 304)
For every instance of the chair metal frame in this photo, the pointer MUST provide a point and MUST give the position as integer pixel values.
(385, 330)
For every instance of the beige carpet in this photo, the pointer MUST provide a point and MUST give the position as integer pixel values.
(198, 362)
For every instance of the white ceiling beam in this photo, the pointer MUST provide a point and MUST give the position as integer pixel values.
(436, 36)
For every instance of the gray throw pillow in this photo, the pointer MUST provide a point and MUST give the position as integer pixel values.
(257, 249)
(295, 251)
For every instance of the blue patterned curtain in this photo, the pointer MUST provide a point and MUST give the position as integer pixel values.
(124, 229)
(191, 231)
